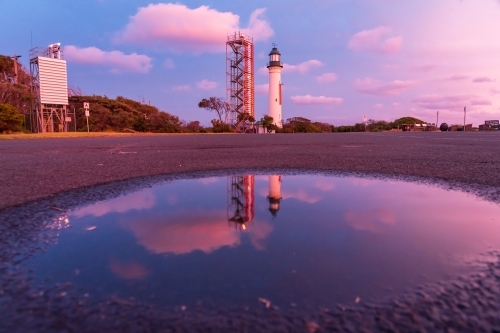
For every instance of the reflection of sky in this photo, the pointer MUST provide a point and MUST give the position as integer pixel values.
(332, 240)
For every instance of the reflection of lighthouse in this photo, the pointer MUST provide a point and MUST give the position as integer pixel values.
(274, 194)
(275, 94)
(240, 206)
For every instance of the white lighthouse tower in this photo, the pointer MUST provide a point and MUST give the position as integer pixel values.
(274, 194)
(275, 95)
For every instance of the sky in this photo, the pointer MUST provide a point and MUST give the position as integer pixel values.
(342, 58)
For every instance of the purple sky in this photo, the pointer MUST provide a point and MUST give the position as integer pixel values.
(343, 58)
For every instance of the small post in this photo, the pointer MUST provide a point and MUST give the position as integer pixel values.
(437, 120)
(87, 114)
(465, 112)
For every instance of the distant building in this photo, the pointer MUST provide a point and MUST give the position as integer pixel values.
(490, 125)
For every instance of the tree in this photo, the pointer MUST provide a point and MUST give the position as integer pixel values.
(267, 122)
(10, 119)
(217, 104)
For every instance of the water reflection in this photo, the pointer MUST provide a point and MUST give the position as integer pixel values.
(290, 239)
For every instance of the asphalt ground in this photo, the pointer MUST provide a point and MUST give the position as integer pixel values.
(35, 169)
(40, 179)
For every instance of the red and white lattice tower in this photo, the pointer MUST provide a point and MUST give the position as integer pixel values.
(240, 79)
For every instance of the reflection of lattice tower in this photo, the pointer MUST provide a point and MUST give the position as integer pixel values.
(240, 199)
(240, 84)
(49, 85)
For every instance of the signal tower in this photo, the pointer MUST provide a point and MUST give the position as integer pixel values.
(240, 200)
(49, 85)
(240, 80)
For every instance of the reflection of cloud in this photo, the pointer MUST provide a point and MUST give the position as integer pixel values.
(172, 199)
(300, 195)
(206, 231)
(259, 232)
(208, 181)
(139, 200)
(371, 219)
(324, 185)
(362, 182)
(128, 271)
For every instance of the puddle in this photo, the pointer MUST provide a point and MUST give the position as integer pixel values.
(288, 240)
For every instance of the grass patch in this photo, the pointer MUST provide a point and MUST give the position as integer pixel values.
(70, 135)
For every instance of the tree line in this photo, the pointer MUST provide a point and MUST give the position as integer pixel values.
(124, 114)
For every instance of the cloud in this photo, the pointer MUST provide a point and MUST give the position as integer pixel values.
(135, 201)
(309, 100)
(206, 85)
(423, 68)
(326, 78)
(449, 102)
(458, 77)
(262, 88)
(116, 60)
(378, 106)
(396, 105)
(495, 91)
(182, 88)
(129, 271)
(182, 29)
(189, 231)
(371, 40)
(169, 63)
(300, 195)
(482, 79)
(370, 220)
(303, 67)
(375, 87)
(480, 101)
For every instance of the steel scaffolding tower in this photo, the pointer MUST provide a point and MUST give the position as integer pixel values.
(240, 199)
(240, 84)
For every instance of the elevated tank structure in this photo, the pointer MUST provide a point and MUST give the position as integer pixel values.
(49, 85)
(240, 80)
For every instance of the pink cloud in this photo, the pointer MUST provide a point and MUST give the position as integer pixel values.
(480, 101)
(182, 88)
(302, 68)
(371, 40)
(495, 91)
(262, 88)
(169, 63)
(375, 87)
(370, 220)
(206, 85)
(458, 77)
(423, 68)
(309, 100)
(326, 78)
(116, 60)
(378, 106)
(129, 270)
(182, 29)
(447, 102)
(483, 79)
(135, 201)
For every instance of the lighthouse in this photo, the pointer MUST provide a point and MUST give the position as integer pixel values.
(275, 94)
(274, 194)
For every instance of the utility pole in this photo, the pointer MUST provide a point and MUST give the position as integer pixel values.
(437, 120)
(465, 112)
(15, 57)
